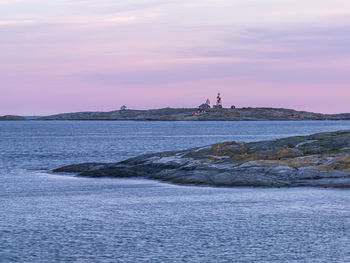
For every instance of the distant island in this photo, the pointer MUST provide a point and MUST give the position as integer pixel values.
(321, 160)
(196, 114)
(12, 118)
(204, 112)
(191, 114)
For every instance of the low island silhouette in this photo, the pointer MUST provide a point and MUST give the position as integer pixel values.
(204, 112)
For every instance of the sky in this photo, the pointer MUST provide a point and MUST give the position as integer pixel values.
(96, 55)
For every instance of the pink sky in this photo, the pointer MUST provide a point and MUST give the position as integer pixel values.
(65, 56)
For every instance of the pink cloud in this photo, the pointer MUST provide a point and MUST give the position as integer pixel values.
(98, 55)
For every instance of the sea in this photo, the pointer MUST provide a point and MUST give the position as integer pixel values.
(46, 217)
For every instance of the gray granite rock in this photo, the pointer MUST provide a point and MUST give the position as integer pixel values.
(317, 160)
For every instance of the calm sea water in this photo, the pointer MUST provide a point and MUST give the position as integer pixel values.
(55, 218)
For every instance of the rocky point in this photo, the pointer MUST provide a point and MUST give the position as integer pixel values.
(321, 160)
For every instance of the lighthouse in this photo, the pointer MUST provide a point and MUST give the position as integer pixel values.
(218, 102)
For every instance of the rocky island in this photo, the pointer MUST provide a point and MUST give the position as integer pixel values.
(193, 114)
(321, 160)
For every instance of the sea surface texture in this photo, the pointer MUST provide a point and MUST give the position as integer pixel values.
(61, 218)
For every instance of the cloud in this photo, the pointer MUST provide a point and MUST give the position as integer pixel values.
(125, 19)
(158, 44)
(16, 22)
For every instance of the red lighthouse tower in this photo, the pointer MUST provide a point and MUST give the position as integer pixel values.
(218, 102)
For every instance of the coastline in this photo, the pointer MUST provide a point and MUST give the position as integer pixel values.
(319, 160)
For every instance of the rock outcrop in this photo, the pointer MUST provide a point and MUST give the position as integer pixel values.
(12, 118)
(321, 160)
(170, 114)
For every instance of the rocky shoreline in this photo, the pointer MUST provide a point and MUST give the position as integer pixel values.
(186, 114)
(319, 160)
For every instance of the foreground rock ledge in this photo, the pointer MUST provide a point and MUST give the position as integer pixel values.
(321, 160)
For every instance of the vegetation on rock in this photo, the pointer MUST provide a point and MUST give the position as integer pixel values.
(321, 159)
